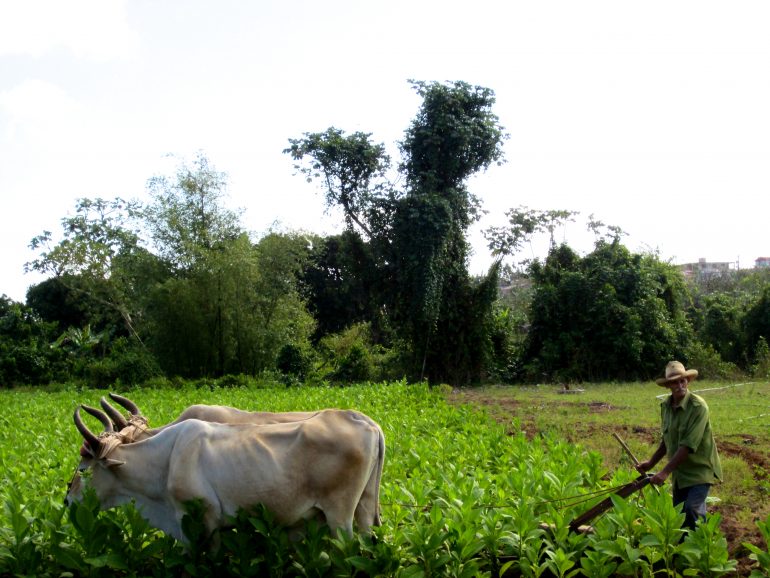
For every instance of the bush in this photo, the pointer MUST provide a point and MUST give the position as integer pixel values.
(239, 380)
(710, 365)
(352, 357)
(761, 367)
(293, 361)
(127, 362)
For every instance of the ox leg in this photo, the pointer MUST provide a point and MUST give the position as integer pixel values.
(366, 510)
(339, 518)
(368, 507)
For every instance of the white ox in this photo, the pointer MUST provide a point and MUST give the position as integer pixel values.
(135, 428)
(296, 470)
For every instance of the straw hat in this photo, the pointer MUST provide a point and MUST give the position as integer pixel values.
(675, 370)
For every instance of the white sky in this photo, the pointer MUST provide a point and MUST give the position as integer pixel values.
(654, 116)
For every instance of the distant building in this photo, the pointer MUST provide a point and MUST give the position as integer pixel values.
(704, 269)
(762, 263)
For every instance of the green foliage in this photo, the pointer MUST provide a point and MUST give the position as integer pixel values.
(340, 284)
(523, 223)
(351, 356)
(187, 216)
(709, 362)
(721, 326)
(348, 165)
(236, 309)
(293, 361)
(454, 135)
(756, 324)
(760, 556)
(25, 355)
(761, 368)
(705, 550)
(609, 315)
(415, 261)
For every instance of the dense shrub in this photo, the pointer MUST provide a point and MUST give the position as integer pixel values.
(294, 361)
(610, 315)
(25, 353)
(709, 363)
(351, 356)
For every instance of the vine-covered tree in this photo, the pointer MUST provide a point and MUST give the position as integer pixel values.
(418, 235)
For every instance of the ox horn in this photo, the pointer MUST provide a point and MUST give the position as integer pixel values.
(126, 403)
(117, 418)
(93, 442)
(101, 416)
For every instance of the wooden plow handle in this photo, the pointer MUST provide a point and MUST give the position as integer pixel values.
(606, 503)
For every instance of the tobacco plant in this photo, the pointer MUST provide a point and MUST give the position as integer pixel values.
(761, 557)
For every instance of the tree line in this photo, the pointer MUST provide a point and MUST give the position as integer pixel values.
(176, 287)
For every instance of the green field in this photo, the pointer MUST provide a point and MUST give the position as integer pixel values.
(469, 479)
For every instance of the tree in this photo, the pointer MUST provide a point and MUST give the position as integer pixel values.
(454, 135)
(523, 224)
(417, 236)
(94, 240)
(25, 353)
(187, 215)
(756, 325)
(610, 315)
(54, 301)
(352, 168)
(340, 284)
(183, 276)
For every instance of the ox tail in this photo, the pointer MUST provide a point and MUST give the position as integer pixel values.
(377, 474)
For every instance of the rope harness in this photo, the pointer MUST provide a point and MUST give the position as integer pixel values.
(108, 442)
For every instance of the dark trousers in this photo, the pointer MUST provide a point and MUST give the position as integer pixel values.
(694, 500)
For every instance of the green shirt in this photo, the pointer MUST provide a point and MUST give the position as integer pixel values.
(689, 425)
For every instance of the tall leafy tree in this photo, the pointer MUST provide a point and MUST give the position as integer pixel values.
(236, 304)
(352, 169)
(187, 215)
(454, 135)
(418, 235)
(100, 235)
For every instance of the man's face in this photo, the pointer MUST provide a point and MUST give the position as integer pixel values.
(678, 388)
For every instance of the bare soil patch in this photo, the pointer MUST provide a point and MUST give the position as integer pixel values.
(759, 463)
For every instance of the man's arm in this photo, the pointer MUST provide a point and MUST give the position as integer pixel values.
(680, 456)
(643, 467)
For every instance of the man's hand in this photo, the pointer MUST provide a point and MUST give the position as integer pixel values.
(660, 478)
(643, 467)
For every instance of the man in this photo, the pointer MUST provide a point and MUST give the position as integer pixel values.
(688, 442)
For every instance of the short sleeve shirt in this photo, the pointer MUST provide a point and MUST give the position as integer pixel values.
(689, 425)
